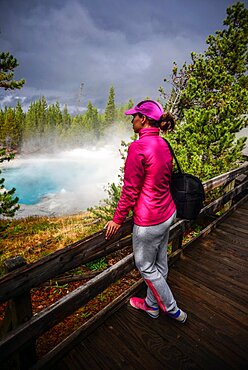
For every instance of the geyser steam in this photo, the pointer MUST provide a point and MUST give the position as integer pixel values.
(62, 183)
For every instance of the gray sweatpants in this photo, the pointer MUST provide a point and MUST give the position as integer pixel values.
(150, 254)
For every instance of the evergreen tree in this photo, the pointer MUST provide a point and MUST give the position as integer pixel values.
(92, 120)
(65, 126)
(2, 133)
(110, 111)
(8, 203)
(29, 129)
(7, 65)
(66, 118)
(10, 129)
(212, 100)
(19, 122)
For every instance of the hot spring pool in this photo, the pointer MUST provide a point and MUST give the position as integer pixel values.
(71, 180)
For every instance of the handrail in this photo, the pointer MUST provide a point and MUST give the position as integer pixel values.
(15, 283)
(91, 247)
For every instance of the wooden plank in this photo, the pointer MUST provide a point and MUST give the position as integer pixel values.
(231, 264)
(116, 354)
(154, 350)
(207, 296)
(243, 229)
(224, 178)
(80, 359)
(83, 251)
(94, 246)
(225, 334)
(241, 213)
(176, 349)
(212, 279)
(234, 230)
(235, 278)
(20, 311)
(52, 315)
(140, 331)
(72, 342)
(244, 207)
(241, 219)
(224, 250)
(224, 301)
(237, 242)
(48, 361)
(214, 224)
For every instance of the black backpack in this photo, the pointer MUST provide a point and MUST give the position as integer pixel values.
(187, 192)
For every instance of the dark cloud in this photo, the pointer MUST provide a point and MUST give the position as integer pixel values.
(130, 44)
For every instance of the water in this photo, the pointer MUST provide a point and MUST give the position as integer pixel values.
(33, 181)
(65, 182)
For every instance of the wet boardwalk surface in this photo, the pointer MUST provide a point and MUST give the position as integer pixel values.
(210, 282)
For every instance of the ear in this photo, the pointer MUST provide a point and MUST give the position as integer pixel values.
(143, 120)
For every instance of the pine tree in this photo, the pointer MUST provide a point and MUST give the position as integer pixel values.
(213, 100)
(7, 65)
(10, 129)
(92, 120)
(2, 133)
(29, 129)
(110, 112)
(65, 126)
(19, 122)
(8, 203)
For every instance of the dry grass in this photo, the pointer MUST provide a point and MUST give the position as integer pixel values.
(36, 237)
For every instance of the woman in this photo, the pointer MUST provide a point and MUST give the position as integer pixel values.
(146, 191)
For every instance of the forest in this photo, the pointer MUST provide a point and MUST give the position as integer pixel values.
(44, 128)
(208, 97)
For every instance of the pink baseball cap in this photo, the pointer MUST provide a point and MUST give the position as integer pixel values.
(150, 108)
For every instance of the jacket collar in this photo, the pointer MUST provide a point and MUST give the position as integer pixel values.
(149, 131)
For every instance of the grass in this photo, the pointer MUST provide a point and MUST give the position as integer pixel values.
(99, 264)
(35, 237)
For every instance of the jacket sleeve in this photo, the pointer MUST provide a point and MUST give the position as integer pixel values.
(133, 181)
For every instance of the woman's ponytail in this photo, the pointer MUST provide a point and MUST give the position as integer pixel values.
(167, 122)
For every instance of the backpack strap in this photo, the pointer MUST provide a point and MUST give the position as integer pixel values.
(173, 155)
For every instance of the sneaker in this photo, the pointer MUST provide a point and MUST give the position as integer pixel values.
(180, 316)
(140, 304)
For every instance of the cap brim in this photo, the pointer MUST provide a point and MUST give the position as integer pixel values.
(131, 111)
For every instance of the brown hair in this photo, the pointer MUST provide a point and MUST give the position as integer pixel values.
(166, 122)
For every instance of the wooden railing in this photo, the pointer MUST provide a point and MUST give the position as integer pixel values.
(15, 286)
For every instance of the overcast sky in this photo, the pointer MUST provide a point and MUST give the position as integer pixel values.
(131, 45)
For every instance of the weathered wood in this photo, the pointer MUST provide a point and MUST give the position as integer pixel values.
(177, 243)
(227, 237)
(168, 345)
(81, 333)
(71, 278)
(226, 334)
(224, 178)
(218, 221)
(228, 187)
(48, 361)
(52, 315)
(91, 247)
(14, 263)
(19, 311)
(56, 263)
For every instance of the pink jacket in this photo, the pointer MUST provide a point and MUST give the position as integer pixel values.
(147, 177)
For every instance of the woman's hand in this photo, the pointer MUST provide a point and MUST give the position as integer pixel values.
(111, 229)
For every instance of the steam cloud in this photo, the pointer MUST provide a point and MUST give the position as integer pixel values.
(79, 177)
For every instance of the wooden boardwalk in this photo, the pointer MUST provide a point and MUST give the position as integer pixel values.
(210, 282)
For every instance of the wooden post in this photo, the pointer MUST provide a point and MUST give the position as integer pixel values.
(177, 243)
(19, 310)
(227, 188)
